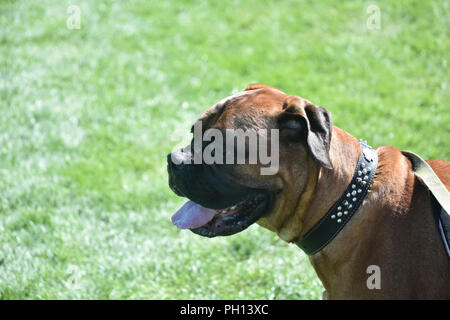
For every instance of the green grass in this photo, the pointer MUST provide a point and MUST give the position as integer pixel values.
(87, 117)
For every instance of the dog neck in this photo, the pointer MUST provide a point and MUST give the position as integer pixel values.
(343, 254)
(345, 152)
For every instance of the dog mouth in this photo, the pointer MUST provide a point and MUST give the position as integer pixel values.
(226, 221)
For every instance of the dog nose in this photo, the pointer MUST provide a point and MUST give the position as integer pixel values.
(177, 160)
(171, 165)
(174, 170)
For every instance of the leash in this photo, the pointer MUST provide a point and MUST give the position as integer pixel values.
(340, 213)
(439, 196)
(429, 178)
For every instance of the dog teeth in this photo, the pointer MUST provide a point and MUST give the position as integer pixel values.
(248, 203)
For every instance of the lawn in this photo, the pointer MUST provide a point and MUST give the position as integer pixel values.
(88, 115)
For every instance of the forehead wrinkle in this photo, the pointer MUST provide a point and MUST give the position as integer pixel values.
(215, 114)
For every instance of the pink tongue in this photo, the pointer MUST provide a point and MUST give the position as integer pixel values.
(192, 215)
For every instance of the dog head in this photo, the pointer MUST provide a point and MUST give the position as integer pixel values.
(234, 191)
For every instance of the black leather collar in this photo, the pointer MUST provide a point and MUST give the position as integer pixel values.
(341, 212)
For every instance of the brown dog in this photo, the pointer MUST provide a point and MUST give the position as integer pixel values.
(393, 229)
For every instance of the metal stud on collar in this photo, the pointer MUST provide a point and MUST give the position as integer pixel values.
(363, 170)
(350, 201)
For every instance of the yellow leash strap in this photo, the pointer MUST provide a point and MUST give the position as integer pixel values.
(429, 178)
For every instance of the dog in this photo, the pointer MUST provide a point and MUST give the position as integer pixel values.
(388, 249)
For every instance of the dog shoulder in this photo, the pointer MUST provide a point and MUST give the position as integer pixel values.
(442, 169)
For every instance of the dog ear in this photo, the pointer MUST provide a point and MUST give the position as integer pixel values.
(313, 123)
(255, 86)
